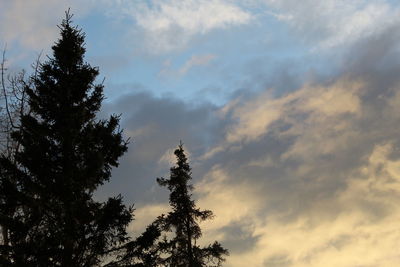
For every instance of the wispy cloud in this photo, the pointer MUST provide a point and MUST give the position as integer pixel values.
(170, 25)
(333, 23)
(196, 61)
(193, 61)
(31, 25)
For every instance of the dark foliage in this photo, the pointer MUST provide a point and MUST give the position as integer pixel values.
(170, 240)
(143, 251)
(46, 204)
(182, 249)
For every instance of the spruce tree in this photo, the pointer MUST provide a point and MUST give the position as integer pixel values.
(65, 154)
(182, 250)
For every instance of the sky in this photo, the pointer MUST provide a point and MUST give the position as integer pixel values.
(289, 111)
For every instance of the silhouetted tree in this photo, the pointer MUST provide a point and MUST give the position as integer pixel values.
(144, 251)
(170, 240)
(13, 99)
(182, 250)
(64, 155)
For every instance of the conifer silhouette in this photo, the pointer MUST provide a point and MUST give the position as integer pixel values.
(182, 250)
(65, 154)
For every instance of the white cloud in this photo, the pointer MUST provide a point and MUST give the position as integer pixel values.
(169, 25)
(331, 23)
(193, 61)
(254, 117)
(33, 24)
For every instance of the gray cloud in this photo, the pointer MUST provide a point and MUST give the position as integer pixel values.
(309, 177)
(301, 167)
(239, 238)
(279, 260)
(155, 126)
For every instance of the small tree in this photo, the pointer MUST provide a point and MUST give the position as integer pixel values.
(182, 250)
(64, 155)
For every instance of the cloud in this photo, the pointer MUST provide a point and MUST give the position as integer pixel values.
(170, 25)
(306, 178)
(317, 186)
(24, 22)
(193, 61)
(231, 202)
(362, 232)
(333, 23)
(324, 165)
(156, 125)
(144, 216)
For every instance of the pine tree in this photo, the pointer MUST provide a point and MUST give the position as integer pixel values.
(182, 250)
(65, 154)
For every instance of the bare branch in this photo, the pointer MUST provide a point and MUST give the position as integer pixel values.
(3, 69)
